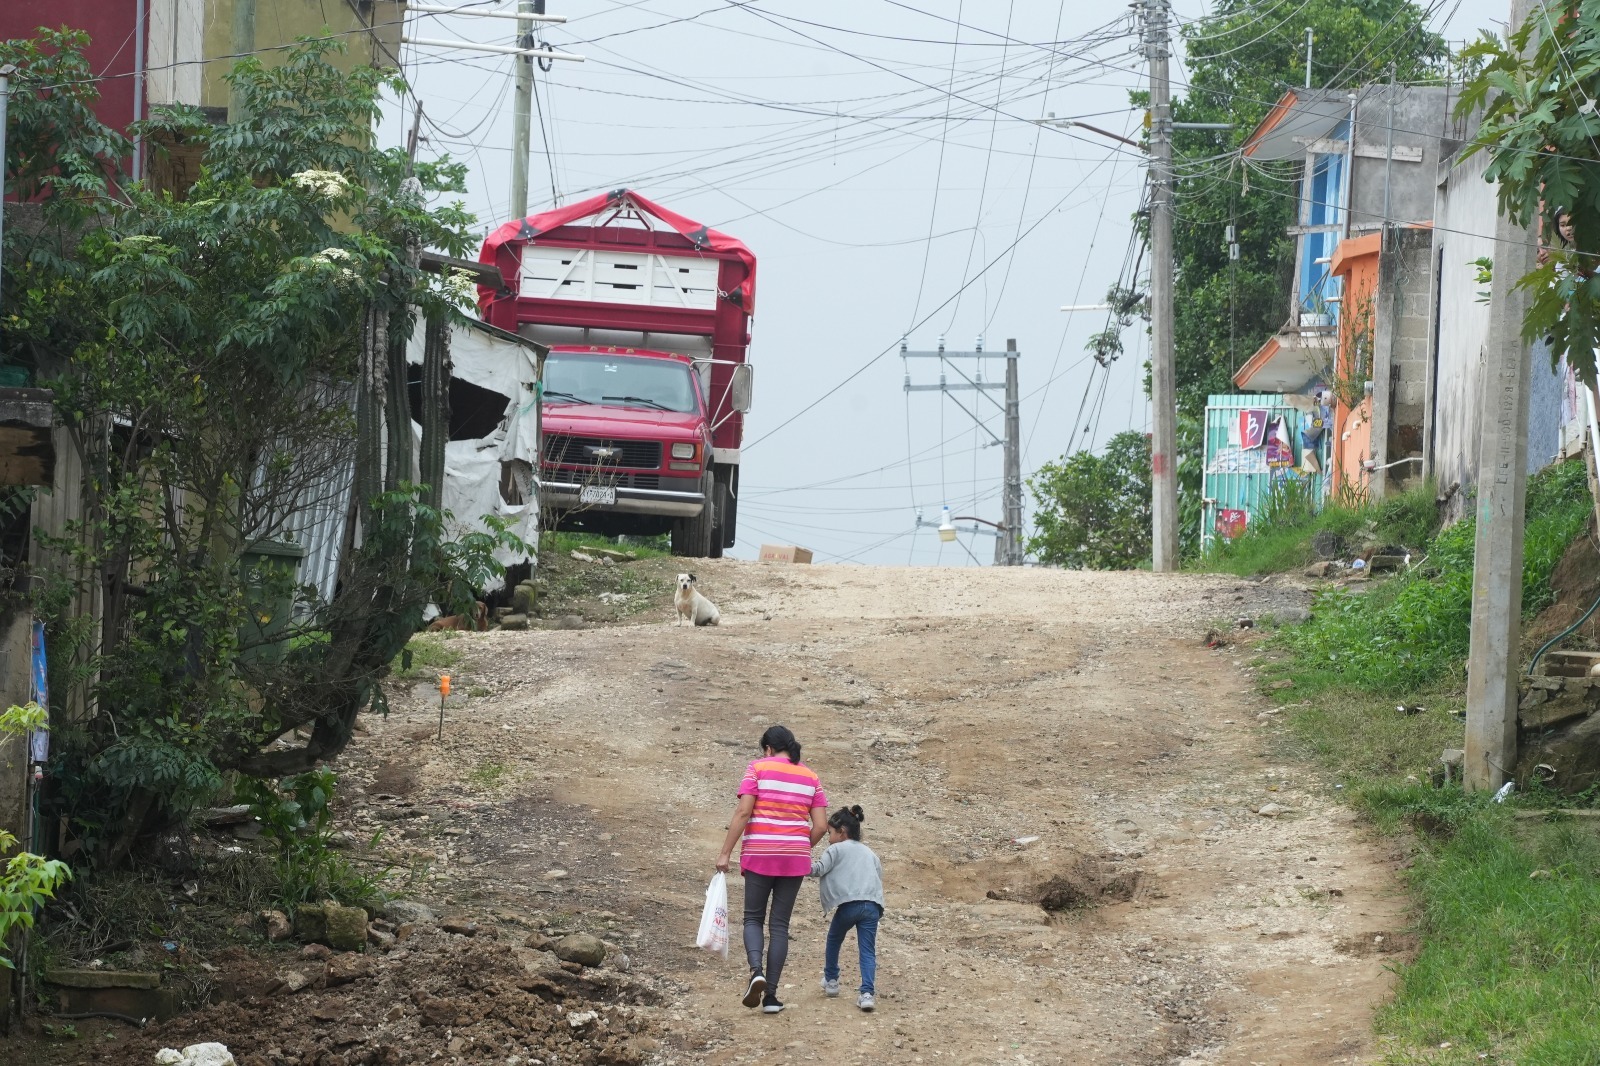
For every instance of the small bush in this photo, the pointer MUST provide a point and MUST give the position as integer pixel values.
(295, 817)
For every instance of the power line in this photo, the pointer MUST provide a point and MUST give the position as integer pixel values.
(893, 345)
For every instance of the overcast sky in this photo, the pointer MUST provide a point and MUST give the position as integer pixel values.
(877, 156)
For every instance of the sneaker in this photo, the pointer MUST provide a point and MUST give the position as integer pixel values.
(830, 988)
(772, 1006)
(867, 1003)
(757, 989)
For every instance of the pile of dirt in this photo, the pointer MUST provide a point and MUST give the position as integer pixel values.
(439, 997)
(602, 588)
(1088, 882)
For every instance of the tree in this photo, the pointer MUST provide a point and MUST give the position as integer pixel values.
(1539, 126)
(1093, 511)
(1240, 61)
(221, 360)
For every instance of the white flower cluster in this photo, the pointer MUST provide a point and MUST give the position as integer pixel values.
(460, 287)
(325, 183)
(333, 257)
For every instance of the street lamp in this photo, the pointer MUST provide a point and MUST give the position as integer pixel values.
(947, 528)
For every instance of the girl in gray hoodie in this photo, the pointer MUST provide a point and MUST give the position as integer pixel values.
(851, 880)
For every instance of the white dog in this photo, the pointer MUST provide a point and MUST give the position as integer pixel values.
(693, 606)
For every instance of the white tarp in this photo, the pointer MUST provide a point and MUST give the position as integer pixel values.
(473, 468)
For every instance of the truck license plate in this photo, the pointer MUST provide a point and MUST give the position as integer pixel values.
(604, 495)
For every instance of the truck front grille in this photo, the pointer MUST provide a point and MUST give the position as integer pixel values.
(564, 450)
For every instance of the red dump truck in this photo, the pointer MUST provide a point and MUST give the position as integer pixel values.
(647, 317)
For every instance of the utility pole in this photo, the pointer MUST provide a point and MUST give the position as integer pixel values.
(1008, 547)
(523, 109)
(527, 50)
(1494, 656)
(6, 70)
(1012, 491)
(1163, 377)
(244, 42)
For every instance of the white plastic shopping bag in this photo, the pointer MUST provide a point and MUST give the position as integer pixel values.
(714, 918)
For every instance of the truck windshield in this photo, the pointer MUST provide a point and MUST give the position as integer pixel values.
(619, 380)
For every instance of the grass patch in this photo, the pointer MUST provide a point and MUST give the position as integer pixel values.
(1410, 632)
(639, 547)
(1508, 910)
(1280, 540)
(487, 774)
(427, 655)
(1509, 917)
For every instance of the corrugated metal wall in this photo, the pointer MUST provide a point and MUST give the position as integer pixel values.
(1238, 478)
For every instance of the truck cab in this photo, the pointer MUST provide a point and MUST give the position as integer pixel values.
(647, 318)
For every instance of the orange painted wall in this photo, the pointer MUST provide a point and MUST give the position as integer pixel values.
(1356, 261)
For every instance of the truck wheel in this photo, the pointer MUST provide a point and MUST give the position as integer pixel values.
(693, 537)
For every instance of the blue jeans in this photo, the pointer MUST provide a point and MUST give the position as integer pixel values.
(861, 915)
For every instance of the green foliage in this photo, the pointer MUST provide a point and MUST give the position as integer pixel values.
(1412, 630)
(295, 816)
(226, 328)
(1225, 310)
(467, 564)
(28, 881)
(427, 655)
(1093, 511)
(1281, 541)
(1508, 963)
(562, 542)
(487, 774)
(1539, 127)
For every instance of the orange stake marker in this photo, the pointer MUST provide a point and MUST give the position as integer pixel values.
(444, 693)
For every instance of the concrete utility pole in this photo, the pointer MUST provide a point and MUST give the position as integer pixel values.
(6, 70)
(1008, 546)
(1012, 491)
(1163, 376)
(244, 42)
(527, 14)
(1494, 657)
(521, 133)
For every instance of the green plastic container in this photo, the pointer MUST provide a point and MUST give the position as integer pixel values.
(269, 569)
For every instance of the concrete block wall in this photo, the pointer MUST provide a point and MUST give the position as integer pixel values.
(1402, 330)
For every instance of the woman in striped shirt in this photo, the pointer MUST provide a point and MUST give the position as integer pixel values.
(782, 813)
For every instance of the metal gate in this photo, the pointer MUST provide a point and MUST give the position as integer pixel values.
(1245, 457)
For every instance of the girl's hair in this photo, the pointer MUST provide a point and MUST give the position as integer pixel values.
(778, 738)
(849, 820)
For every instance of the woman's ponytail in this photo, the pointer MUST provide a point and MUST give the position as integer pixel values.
(778, 738)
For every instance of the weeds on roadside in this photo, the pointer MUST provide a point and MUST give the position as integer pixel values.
(487, 774)
(1509, 964)
(426, 655)
(1280, 540)
(296, 818)
(1411, 631)
(640, 547)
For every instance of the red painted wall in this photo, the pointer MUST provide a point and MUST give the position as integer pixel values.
(109, 24)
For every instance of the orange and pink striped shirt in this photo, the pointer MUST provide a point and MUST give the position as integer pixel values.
(777, 842)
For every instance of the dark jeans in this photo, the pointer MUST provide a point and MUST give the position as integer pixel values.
(782, 891)
(861, 915)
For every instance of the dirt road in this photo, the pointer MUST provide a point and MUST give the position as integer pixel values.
(964, 710)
